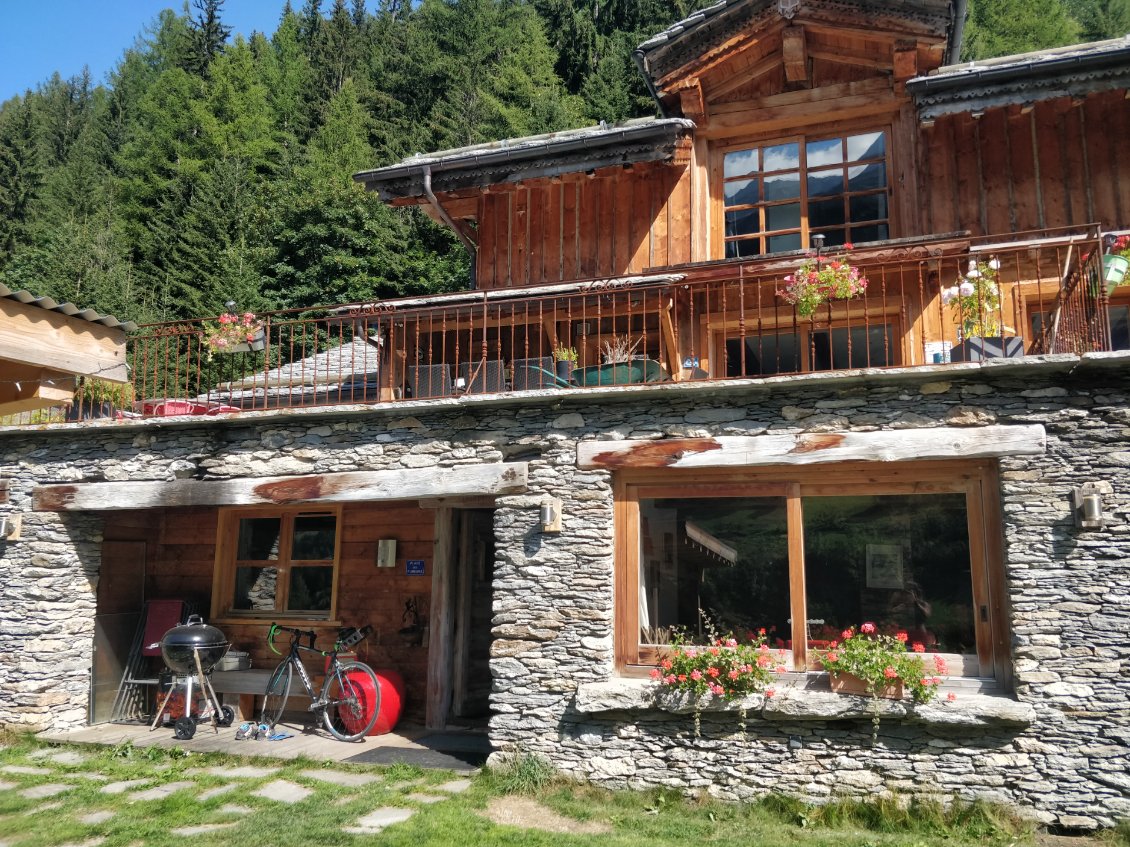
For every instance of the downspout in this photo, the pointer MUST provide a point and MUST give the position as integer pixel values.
(960, 10)
(447, 219)
(641, 63)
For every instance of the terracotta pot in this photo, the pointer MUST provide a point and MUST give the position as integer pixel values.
(848, 683)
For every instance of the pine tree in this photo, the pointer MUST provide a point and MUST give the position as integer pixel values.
(21, 172)
(207, 36)
(1008, 27)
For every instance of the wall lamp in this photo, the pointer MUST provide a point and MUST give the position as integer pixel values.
(550, 515)
(10, 526)
(1087, 500)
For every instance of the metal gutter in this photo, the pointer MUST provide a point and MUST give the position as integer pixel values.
(640, 58)
(957, 34)
(950, 78)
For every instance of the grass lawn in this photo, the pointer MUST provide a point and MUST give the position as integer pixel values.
(75, 810)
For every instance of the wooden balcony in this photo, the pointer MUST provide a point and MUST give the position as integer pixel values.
(715, 321)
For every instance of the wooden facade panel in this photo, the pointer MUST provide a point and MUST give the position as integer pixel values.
(569, 230)
(553, 236)
(622, 247)
(996, 183)
(1102, 149)
(1074, 155)
(1054, 186)
(641, 220)
(519, 238)
(537, 230)
(486, 271)
(1023, 168)
(586, 234)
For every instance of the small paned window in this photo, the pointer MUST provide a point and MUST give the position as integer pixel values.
(778, 196)
(278, 564)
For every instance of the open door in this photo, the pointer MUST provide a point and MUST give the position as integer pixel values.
(121, 599)
(459, 680)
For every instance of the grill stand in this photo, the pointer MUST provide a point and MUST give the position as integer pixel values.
(185, 727)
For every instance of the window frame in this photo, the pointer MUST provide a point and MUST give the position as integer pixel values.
(979, 480)
(226, 564)
(721, 331)
(719, 181)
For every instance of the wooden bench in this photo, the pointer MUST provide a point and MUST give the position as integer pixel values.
(248, 685)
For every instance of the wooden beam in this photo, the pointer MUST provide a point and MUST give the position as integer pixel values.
(743, 77)
(692, 102)
(905, 61)
(874, 61)
(25, 388)
(48, 339)
(794, 53)
(441, 639)
(807, 448)
(409, 484)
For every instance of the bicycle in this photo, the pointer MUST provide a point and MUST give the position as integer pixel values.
(350, 698)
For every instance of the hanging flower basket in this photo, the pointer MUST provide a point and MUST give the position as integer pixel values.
(235, 334)
(817, 280)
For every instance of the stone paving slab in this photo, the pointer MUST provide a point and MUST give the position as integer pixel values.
(90, 842)
(456, 786)
(217, 791)
(242, 772)
(43, 807)
(96, 817)
(348, 780)
(25, 770)
(59, 757)
(90, 776)
(234, 809)
(200, 829)
(160, 792)
(378, 819)
(42, 792)
(283, 791)
(426, 798)
(123, 786)
(6, 786)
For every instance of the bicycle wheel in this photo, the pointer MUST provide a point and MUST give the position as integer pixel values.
(353, 700)
(278, 690)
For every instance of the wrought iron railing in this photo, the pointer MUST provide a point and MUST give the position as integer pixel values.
(714, 321)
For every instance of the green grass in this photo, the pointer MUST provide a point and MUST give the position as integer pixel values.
(656, 818)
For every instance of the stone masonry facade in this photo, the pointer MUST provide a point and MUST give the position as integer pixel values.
(1057, 745)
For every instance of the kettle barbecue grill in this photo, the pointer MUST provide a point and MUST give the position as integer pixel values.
(191, 651)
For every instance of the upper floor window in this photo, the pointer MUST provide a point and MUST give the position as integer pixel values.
(776, 197)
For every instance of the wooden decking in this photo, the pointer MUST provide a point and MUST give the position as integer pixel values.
(313, 744)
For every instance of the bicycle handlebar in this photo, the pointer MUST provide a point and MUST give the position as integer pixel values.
(347, 637)
(297, 633)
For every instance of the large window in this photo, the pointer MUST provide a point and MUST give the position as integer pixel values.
(805, 349)
(804, 554)
(277, 563)
(776, 197)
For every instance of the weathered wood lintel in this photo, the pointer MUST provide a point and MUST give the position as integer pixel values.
(809, 448)
(408, 484)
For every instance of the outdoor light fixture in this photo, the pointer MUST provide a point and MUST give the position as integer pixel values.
(1088, 502)
(10, 526)
(818, 242)
(550, 515)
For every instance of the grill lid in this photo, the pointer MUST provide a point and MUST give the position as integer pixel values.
(182, 645)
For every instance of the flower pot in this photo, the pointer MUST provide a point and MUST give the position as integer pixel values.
(565, 369)
(259, 342)
(620, 373)
(976, 348)
(848, 683)
(1114, 271)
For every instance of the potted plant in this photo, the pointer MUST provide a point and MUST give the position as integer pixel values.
(621, 365)
(818, 280)
(726, 669)
(880, 665)
(566, 359)
(976, 300)
(1116, 263)
(234, 333)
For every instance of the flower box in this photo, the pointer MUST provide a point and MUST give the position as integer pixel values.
(978, 348)
(259, 342)
(848, 683)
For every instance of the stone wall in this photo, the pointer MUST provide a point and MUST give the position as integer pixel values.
(1062, 752)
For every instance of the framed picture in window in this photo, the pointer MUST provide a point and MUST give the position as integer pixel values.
(884, 566)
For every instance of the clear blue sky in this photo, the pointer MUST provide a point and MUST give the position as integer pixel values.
(43, 36)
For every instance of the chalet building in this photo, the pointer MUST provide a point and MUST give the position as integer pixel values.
(640, 410)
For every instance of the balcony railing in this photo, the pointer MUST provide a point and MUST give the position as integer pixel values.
(714, 321)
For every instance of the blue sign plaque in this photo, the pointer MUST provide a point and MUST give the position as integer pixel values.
(414, 567)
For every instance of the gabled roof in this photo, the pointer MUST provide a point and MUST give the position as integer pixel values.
(708, 29)
(513, 160)
(1060, 72)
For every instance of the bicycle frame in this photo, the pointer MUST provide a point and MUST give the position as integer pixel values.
(353, 685)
